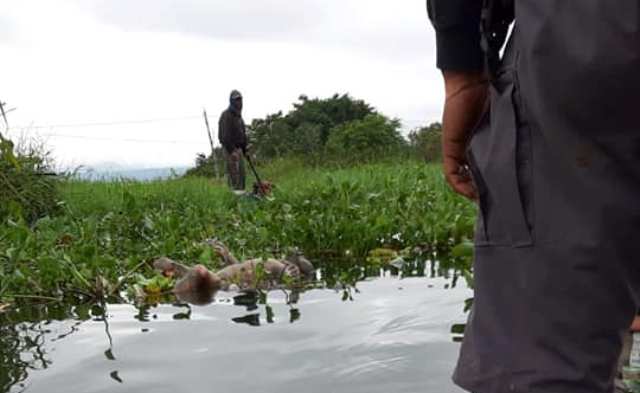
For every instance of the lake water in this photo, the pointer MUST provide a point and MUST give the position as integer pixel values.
(393, 336)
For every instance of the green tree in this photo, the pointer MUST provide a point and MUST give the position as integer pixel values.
(271, 136)
(306, 129)
(366, 139)
(426, 141)
(328, 113)
(307, 139)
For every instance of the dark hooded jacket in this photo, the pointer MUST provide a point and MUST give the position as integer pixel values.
(231, 130)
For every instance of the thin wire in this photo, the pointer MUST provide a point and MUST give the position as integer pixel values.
(109, 123)
(97, 138)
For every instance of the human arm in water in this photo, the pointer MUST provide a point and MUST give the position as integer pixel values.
(219, 248)
(304, 265)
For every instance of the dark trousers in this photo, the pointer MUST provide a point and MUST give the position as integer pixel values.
(235, 170)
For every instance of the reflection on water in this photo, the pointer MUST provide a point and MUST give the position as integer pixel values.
(24, 338)
(388, 335)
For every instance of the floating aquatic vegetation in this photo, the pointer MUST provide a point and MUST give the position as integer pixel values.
(110, 231)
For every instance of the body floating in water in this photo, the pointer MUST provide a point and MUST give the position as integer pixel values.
(198, 285)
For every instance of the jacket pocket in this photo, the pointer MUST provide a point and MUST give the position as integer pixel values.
(500, 160)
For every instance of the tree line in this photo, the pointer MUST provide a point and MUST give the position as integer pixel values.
(336, 129)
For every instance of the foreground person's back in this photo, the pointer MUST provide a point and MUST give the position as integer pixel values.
(557, 170)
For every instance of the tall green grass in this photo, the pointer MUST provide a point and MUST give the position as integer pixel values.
(27, 189)
(100, 197)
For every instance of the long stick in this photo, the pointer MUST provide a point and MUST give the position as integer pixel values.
(253, 169)
(213, 151)
(4, 114)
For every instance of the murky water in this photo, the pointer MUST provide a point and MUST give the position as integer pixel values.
(393, 336)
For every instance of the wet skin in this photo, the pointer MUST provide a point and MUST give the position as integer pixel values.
(198, 285)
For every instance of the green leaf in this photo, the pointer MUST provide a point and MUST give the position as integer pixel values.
(463, 250)
(458, 328)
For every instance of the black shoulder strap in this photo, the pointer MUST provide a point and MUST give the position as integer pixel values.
(495, 19)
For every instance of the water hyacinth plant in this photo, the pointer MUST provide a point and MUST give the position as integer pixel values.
(108, 232)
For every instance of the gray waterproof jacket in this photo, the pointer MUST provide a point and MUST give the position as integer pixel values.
(556, 162)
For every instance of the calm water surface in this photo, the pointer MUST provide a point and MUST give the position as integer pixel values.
(394, 336)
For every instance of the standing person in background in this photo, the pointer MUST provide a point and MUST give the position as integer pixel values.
(233, 138)
(546, 139)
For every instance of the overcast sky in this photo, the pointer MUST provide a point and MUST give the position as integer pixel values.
(125, 81)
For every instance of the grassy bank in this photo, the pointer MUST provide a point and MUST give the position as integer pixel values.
(108, 231)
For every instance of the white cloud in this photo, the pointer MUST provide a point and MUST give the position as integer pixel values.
(110, 61)
(218, 19)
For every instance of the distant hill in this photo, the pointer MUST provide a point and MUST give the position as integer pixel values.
(145, 174)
